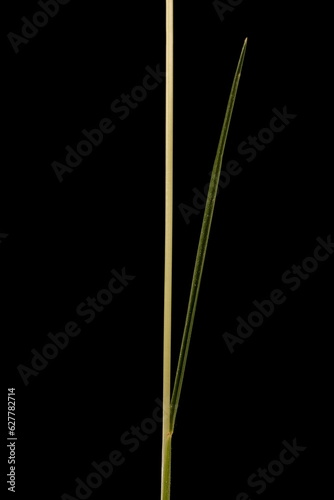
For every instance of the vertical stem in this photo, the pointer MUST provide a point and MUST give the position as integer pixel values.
(166, 436)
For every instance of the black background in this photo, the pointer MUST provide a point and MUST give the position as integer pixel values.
(65, 238)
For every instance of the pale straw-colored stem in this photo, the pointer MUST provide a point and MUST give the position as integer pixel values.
(166, 436)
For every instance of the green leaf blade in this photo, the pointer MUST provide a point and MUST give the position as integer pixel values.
(203, 241)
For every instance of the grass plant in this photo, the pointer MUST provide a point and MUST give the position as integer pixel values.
(171, 399)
